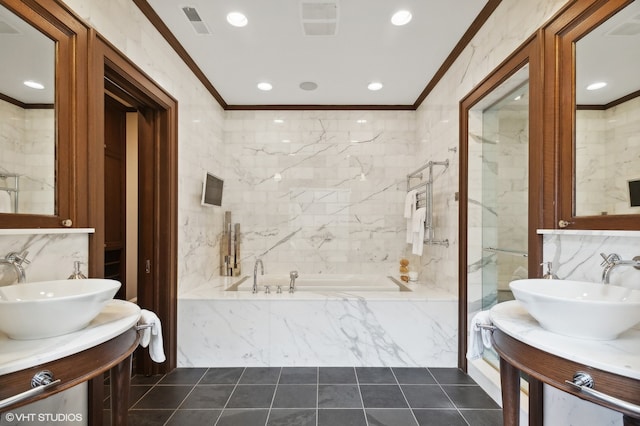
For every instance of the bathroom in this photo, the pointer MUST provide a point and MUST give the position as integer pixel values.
(249, 150)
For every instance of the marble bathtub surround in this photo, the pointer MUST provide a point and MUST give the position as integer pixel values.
(329, 328)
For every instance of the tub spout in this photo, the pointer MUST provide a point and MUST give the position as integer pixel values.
(255, 274)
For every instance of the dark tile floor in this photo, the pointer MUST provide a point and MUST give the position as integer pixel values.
(310, 396)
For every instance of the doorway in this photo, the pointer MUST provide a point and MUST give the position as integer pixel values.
(154, 114)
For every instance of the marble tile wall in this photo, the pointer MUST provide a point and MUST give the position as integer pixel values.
(27, 147)
(320, 191)
(607, 157)
(51, 255)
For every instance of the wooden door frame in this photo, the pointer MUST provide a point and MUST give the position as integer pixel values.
(161, 298)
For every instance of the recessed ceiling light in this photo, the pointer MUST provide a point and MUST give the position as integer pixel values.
(517, 98)
(361, 121)
(286, 141)
(33, 84)
(376, 85)
(237, 19)
(401, 17)
(596, 86)
(265, 86)
(308, 85)
(278, 120)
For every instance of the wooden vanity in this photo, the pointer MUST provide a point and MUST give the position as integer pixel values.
(107, 344)
(549, 358)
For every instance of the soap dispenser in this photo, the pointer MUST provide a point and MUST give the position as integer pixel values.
(77, 275)
(548, 275)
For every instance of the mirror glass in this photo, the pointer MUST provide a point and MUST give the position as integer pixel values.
(607, 116)
(27, 118)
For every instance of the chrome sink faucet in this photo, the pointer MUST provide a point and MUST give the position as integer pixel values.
(613, 260)
(255, 275)
(16, 260)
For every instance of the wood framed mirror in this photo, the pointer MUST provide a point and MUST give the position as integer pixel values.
(46, 165)
(597, 129)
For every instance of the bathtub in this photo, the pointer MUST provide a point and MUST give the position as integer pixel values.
(322, 283)
(344, 320)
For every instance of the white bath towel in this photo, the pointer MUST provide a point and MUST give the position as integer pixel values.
(152, 336)
(6, 203)
(409, 208)
(417, 227)
(479, 338)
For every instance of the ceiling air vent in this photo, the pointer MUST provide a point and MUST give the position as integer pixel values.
(319, 17)
(197, 22)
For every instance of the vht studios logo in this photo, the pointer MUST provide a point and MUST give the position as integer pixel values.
(43, 417)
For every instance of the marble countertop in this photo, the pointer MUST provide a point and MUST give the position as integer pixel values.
(215, 289)
(618, 356)
(114, 319)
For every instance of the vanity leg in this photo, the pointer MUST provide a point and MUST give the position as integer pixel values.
(536, 402)
(120, 381)
(630, 421)
(510, 382)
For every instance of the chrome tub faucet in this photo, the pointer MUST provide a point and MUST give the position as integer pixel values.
(613, 260)
(255, 274)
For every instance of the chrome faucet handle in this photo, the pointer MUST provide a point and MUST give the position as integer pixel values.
(18, 258)
(610, 259)
(267, 289)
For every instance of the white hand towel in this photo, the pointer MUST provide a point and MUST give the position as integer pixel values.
(410, 203)
(479, 338)
(6, 203)
(152, 336)
(409, 207)
(417, 227)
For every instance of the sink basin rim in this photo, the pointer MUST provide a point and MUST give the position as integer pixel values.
(578, 317)
(53, 315)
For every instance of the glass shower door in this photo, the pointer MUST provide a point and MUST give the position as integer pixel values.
(499, 190)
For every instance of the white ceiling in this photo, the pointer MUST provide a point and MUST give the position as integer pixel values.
(366, 48)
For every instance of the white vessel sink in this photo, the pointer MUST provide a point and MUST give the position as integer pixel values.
(51, 308)
(579, 309)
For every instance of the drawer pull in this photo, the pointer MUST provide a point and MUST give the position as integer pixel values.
(42, 381)
(584, 383)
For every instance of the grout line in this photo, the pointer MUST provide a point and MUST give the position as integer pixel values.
(453, 403)
(229, 397)
(405, 396)
(193, 386)
(273, 397)
(364, 411)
